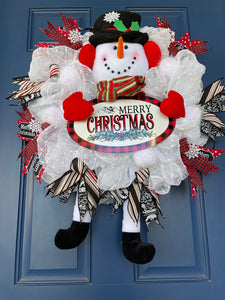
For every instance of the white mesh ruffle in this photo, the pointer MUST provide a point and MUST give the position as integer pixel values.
(160, 36)
(73, 77)
(43, 58)
(181, 73)
(57, 150)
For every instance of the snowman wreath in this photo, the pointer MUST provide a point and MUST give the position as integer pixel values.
(117, 115)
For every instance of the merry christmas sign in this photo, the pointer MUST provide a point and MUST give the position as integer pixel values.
(125, 125)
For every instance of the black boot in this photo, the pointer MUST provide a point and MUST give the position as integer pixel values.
(71, 237)
(136, 251)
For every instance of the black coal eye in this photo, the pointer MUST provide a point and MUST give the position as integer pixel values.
(114, 47)
(125, 47)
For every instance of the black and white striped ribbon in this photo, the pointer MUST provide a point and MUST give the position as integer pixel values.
(79, 176)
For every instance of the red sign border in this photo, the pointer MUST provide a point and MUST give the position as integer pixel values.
(122, 149)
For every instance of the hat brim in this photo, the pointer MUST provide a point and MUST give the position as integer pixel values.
(109, 36)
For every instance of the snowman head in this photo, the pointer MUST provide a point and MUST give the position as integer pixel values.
(119, 59)
(117, 48)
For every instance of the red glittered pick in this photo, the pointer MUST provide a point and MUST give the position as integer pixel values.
(163, 23)
(29, 131)
(196, 46)
(198, 159)
(69, 36)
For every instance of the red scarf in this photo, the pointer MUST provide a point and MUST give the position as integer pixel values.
(127, 86)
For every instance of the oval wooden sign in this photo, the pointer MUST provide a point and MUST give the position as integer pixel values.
(126, 125)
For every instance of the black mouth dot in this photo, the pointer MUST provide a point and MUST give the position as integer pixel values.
(125, 70)
(104, 59)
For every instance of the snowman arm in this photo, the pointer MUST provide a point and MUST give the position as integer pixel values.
(76, 108)
(173, 106)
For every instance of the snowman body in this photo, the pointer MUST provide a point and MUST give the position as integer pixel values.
(115, 60)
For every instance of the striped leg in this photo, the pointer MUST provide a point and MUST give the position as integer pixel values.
(73, 236)
(133, 248)
(128, 225)
(76, 213)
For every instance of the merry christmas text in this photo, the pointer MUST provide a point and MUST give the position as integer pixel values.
(127, 117)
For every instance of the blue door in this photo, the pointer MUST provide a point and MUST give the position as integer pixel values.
(189, 261)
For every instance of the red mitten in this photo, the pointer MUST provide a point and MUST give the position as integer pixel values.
(173, 106)
(76, 108)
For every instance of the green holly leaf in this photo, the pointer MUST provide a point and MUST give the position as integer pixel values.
(134, 26)
(119, 25)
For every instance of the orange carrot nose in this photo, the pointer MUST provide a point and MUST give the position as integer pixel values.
(120, 52)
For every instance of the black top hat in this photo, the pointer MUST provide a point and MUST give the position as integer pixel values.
(110, 26)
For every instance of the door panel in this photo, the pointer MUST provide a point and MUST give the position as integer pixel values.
(189, 258)
(37, 261)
